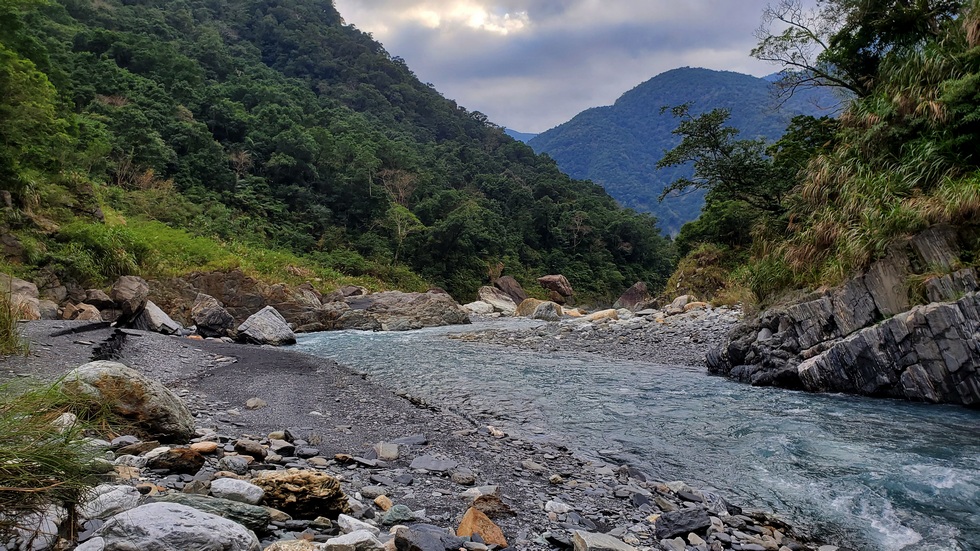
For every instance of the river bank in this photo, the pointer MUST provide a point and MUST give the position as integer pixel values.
(551, 490)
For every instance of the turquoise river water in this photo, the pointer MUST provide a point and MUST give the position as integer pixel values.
(875, 475)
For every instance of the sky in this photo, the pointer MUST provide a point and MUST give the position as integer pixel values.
(533, 64)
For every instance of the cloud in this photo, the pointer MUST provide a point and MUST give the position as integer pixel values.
(533, 64)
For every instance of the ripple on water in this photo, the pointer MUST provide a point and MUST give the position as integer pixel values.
(877, 475)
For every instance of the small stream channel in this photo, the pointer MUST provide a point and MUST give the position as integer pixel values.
(876, 475)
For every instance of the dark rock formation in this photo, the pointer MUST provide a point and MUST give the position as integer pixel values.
(635, 298)
(513, 289)
(863, 338)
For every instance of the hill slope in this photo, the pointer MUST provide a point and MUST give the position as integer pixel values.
(272, 125)
(618, 146)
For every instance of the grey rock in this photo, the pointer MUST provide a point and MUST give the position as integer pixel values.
(361, 540)
(237, 490)
(547, 311)
(129, 293)
(252, 517)
(432, 463)
(99, 299)
(590, 541)
(131, 395)
(106, 500)
(350, 524)
(23, 296)
(234, 464)
(399, 514)
(173, 527)
(480, 307)
(211, 319)
(425, 537)
(267, 326)
(154, 319)
(681, 522)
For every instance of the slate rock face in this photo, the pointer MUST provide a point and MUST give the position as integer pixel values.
(853, 340)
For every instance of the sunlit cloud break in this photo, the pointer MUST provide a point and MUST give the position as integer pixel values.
(469, 14)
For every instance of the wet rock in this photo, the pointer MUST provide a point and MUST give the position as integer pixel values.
(303, 493)
(134, 397)
(267, 326)
(171, 526)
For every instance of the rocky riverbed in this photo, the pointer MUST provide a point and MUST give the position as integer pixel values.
(656, 336)
(261, 410)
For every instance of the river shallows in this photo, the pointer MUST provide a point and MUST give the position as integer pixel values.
(877, 475)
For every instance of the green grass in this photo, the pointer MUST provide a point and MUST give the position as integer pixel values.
(11, 341)
(40, 462)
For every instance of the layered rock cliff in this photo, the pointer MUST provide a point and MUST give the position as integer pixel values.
(867, 338)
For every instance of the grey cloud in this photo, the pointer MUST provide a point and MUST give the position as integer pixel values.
(575, 54)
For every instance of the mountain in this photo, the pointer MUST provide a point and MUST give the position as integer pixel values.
(161, 137)
(519, 136)
(618, 146)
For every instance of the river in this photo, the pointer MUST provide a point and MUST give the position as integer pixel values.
(875, 475)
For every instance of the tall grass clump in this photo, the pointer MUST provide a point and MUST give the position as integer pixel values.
(11, 341)
(43, 460)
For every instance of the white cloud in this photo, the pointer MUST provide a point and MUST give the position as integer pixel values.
(533, 64)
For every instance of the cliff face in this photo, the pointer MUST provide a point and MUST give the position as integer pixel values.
(866, 338)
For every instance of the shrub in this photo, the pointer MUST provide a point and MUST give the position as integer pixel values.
(42, 461)
(10, 339)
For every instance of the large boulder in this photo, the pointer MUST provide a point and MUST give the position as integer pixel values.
(128, 393)
(547, 311)
(303, 493)
(635, 298)
(171, 527)
(130, 294)
(154, 319)
(526, 308)
(23, 296)
(501, 301)
(99, 299)
(253, 517)
(509, 285)
(210, 317)
(557, 283)
(397, 311)
(479, 307)
(267, 326)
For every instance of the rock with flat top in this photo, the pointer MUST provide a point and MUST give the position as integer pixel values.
(156, 320)
(173, 527)
(589, 541)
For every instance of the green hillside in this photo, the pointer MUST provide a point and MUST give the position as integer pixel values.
(618, 146)
(154, 136)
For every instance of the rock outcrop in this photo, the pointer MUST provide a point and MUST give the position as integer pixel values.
(397, 311)
(864, 337)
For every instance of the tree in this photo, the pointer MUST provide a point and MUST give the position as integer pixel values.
(842, 43)
(727, 167)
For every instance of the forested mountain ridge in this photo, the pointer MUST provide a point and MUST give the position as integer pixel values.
(618, 146)
(271, 125)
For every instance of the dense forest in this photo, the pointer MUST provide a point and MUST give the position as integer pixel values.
(832, 195)
(618, 146)
(153, 137)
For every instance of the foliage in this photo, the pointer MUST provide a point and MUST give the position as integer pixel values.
(267, 126)
(10, 340)
(41, 462)
(618, 146)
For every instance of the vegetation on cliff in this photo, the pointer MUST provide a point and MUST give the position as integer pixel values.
(903, 156)
(268, 134)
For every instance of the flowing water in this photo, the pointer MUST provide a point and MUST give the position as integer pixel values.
(876, 475)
